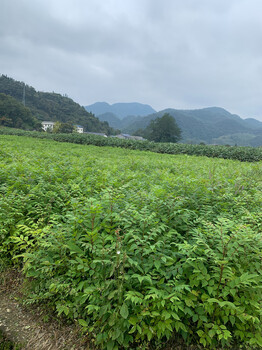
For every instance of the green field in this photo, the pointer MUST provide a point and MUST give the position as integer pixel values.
(244, 154)
(138, 247)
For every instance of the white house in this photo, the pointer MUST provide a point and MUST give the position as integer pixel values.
(79, 128)
(48, 125)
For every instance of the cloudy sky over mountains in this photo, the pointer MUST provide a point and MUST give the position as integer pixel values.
(166, 53)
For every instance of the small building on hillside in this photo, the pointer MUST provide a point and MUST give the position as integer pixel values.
(79, 129)
(48, 125)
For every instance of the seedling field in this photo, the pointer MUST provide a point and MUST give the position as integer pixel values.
(138, 247)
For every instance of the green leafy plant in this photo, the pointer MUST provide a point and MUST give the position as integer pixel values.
(140, 248)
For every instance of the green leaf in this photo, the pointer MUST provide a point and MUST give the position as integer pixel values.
(133, 320)
(203, 341)
(74, 248)
(112, 294)
(157, 264)
(232, 320)
(110, 345)
(210, 290)
(124, 311)
(195, 317)
(213, 300)
(62, 308)
(83, 322)
(166, 314)
(132, 330)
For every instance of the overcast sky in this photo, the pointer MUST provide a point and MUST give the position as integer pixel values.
(166, 53)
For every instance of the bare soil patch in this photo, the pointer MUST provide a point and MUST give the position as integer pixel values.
(25, 325)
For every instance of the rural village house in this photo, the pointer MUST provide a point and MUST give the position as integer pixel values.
(47, 125)
(79, 129)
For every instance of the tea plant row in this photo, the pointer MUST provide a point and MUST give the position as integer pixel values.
(244, 154)
(138, 247)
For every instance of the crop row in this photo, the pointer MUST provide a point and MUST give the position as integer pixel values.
(244, 154)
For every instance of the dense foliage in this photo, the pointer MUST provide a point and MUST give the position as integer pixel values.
(138, 247)
(163, 129)
(13, 114)
(245, 154)
(65, 128)
(52, 106)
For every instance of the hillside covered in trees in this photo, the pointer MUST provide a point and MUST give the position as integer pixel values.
(14, 114)
(211, 125)
(50, 106)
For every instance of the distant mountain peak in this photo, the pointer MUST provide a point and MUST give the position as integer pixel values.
(121, 109)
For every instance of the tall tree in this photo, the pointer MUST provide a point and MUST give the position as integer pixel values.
(164, 129)
(65, 128)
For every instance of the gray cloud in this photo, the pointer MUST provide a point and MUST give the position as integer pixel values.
(172, 53)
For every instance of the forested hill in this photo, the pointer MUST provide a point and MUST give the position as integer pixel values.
(52, 106)
(14, 114)
(210, 125)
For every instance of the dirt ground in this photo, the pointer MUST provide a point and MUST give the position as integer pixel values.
(25, 325)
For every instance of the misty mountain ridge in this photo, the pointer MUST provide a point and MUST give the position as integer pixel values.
(117, 123)
(120, 110)
(211, 125)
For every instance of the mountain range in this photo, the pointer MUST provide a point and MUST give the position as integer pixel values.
(212, 125)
